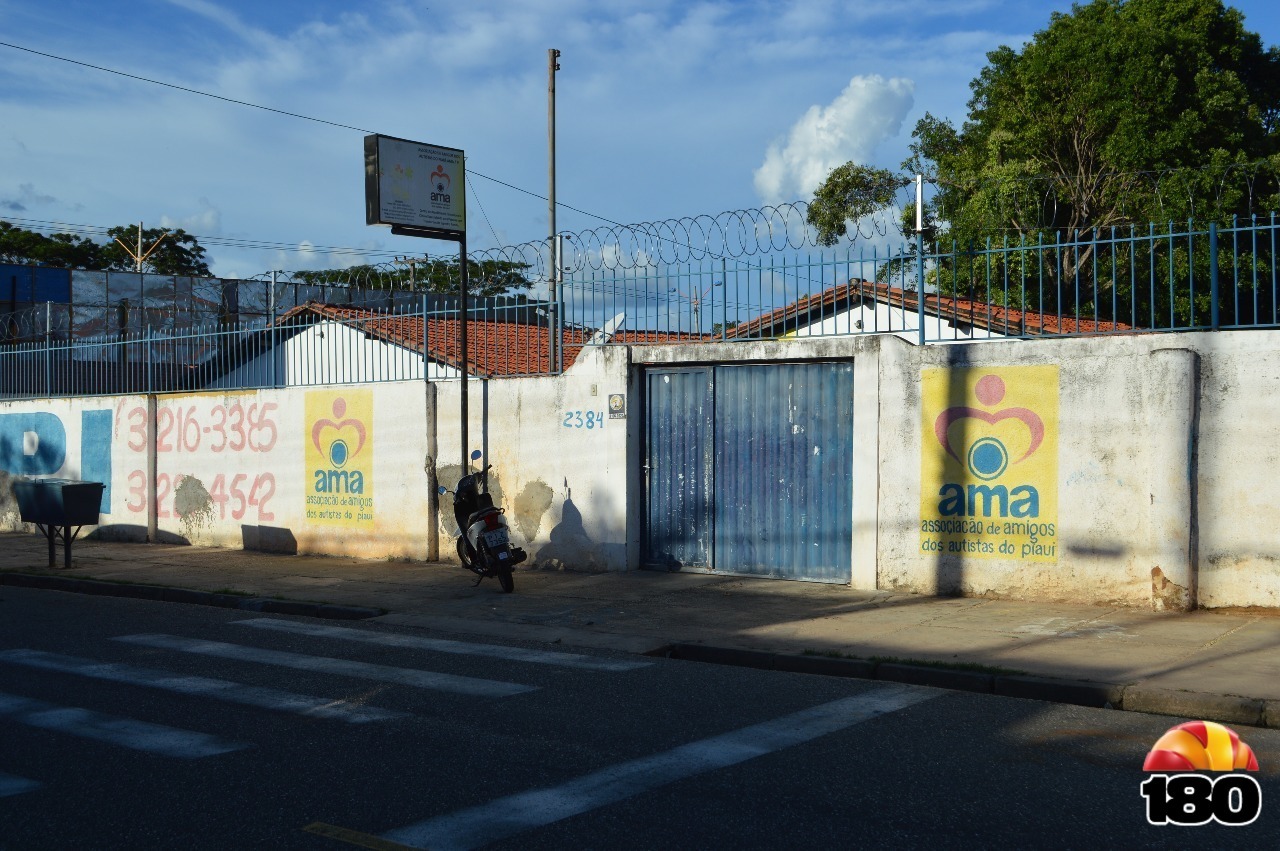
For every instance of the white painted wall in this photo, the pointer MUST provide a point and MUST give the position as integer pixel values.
(1167, 460)
(331, 353)
(878, 318)
(232, 471)
(560, 461)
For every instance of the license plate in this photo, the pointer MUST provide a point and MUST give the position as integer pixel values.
(496, 538)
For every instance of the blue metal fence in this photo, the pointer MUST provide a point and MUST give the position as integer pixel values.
(1175, 277)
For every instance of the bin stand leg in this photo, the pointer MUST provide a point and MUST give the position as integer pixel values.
(66, 547)
(49, 533)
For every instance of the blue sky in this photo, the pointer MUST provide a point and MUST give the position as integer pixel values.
(666, 109)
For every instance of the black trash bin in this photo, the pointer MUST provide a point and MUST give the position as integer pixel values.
(57, 505)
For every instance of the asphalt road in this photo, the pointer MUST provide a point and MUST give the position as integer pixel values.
(133, 724)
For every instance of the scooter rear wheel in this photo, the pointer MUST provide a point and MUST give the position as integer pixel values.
(506, 580)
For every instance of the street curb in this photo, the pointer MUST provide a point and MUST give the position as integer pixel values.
(167, 594)
(1075, 692)
(920, 675)
(1201, 706)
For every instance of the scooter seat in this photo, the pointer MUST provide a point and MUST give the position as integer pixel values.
(477, 516)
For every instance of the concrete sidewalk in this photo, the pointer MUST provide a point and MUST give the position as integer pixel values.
(1204, 665)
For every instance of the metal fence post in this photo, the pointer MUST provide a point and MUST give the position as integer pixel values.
(48, 345)
(146, 342)
(271, 307)
(1213, 275)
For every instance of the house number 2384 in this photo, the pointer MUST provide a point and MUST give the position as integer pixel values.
(584, 419)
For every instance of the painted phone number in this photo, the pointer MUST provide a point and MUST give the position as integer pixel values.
(229, 428)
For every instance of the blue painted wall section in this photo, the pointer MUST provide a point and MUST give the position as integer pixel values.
(51, 446)
(95, 452)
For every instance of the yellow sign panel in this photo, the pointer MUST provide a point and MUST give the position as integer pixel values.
(989, 462)
(339, 458)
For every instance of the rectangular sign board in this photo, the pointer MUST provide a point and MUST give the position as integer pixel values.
(415, 185)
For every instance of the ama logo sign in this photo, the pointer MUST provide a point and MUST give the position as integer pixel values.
(339, 458)
(440, 184)
(989, 462)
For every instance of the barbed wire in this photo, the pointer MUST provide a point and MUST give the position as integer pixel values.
(1044, 202)
(732, 235)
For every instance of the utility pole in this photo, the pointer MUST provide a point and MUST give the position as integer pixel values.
(553, 334)
(140, 255)
(412, 263)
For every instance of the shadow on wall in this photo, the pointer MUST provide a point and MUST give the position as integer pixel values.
(569, 547)
(269, 539)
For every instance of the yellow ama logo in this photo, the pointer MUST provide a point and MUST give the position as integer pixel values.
(339, 458)
(989, 462)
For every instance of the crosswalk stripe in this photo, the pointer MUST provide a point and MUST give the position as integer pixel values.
(441, 645)
(126, 732)
(497, 820)
(11, 785)
(232, 692)
(328, 665)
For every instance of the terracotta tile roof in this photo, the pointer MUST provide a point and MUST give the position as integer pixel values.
(495, 348)
(999, 320)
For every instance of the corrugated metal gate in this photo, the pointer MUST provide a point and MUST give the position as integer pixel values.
(749, 469)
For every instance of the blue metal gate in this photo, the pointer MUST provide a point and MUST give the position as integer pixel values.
(679, 469)
(750, 470)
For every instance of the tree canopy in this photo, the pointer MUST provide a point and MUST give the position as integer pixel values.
(178, 253)
(484, 277)
(1123, 111)
(1119, 113)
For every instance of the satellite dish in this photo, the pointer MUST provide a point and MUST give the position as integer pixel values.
(607, 330)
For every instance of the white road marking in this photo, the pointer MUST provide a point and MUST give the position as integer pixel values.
(126, 732)
(440, 645)
(11, 785)
(505, 817)
(329, 665)
(232, 692)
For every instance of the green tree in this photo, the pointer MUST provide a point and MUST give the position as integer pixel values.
(484, 277)
(62, 250)
(1119, 113)
(177, 252)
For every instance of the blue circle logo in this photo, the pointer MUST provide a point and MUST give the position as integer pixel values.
(988, 459)
(338, 453)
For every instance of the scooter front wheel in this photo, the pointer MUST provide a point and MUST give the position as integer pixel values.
(462, 553)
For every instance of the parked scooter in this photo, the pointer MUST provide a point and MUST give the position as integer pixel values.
(485, 544)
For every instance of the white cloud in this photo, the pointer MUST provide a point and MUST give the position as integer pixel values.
(869, 111)
(228, 19)
(206, 222)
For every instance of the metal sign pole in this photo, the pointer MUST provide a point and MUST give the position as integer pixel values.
(462, 342)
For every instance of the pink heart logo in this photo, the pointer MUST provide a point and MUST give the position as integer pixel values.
(339, 409)
(990, 391)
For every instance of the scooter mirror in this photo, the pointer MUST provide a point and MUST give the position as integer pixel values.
(475, 456)
(442, 489)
